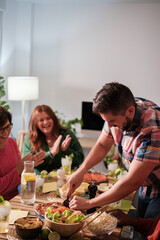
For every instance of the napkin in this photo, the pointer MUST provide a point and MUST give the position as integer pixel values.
(15, 214)
(49, 187)
(125, 205)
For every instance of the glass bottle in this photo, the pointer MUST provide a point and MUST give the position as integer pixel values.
(28, 183)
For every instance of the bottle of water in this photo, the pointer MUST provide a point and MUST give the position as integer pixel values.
(28, 183)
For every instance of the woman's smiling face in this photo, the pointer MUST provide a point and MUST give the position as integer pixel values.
(45, 123)
(6, 130)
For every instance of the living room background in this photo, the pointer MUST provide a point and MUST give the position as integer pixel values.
(75, 47)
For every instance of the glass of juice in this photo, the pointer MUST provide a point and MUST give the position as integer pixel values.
(66, 165)
(5, 209)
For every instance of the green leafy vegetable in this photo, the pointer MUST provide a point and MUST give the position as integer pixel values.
(1, 199)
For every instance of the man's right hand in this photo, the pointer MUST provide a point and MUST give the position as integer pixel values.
(74, 181)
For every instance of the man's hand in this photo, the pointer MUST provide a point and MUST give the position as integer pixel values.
(65, 143)
(74, 181)
(79, 203)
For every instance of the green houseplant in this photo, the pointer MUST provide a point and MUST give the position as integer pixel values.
(3, 103)
(70, 123)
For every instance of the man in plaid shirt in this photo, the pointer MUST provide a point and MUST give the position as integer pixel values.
(133, 124)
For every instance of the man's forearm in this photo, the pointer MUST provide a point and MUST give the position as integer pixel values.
(121, 189)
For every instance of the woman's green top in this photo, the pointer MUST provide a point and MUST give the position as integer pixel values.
(51, 162)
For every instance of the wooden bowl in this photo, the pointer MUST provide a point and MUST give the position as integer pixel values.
(64, 229)
(26, 232)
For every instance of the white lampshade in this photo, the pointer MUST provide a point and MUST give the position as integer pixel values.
(23, 88)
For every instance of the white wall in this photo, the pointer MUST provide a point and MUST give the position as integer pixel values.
(75, 47)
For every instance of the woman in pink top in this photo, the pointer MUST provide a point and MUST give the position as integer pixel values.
(11, 163)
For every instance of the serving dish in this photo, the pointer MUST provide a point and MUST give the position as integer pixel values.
(95, 177)
(102, 225)
(64, 189)
(41, 208)
(65, 230)
(103, 187)
(28, 227)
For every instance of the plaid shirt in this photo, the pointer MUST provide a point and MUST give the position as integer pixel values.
(142, 141)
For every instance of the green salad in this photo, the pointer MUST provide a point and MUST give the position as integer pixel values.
(63, 214)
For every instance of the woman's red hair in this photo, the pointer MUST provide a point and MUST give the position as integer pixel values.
(37, 138)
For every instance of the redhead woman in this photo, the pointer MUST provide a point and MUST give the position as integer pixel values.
(10, 159)
(48, 135)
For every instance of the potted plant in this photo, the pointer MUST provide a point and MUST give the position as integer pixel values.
(3, 103)
(70, 123)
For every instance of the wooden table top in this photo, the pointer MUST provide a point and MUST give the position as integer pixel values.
(16, 204)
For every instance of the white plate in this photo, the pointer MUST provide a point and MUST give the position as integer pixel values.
(103, 187)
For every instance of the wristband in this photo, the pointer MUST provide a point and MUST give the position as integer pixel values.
(49, 154)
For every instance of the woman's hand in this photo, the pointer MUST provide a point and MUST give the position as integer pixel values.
(20, 164)
(55, 148)
(79, 203)
(38, 158)
(65, 143)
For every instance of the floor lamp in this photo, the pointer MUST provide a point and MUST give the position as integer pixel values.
(22, 89)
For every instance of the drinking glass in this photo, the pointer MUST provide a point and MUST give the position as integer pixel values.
(66, 165)
(5, 209)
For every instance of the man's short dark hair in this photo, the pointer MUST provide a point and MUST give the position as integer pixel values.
(4, 116)
(113, 97)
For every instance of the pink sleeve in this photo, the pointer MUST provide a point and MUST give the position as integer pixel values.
(10, 180)
(144, 226)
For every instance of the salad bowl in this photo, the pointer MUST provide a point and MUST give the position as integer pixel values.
(65, 230)
(65, 222)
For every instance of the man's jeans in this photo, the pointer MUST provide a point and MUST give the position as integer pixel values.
(147, 208)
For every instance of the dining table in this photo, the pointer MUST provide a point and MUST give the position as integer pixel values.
(17, 205)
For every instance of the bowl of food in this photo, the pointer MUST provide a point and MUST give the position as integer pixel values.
(64, 221)
(105, 223)
(28, 227)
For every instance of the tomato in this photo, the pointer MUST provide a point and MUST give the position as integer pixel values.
(54, 210)
(61, 209)
(63, 218)
(77, 212)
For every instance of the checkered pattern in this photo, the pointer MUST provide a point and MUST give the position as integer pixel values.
(142, 141)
